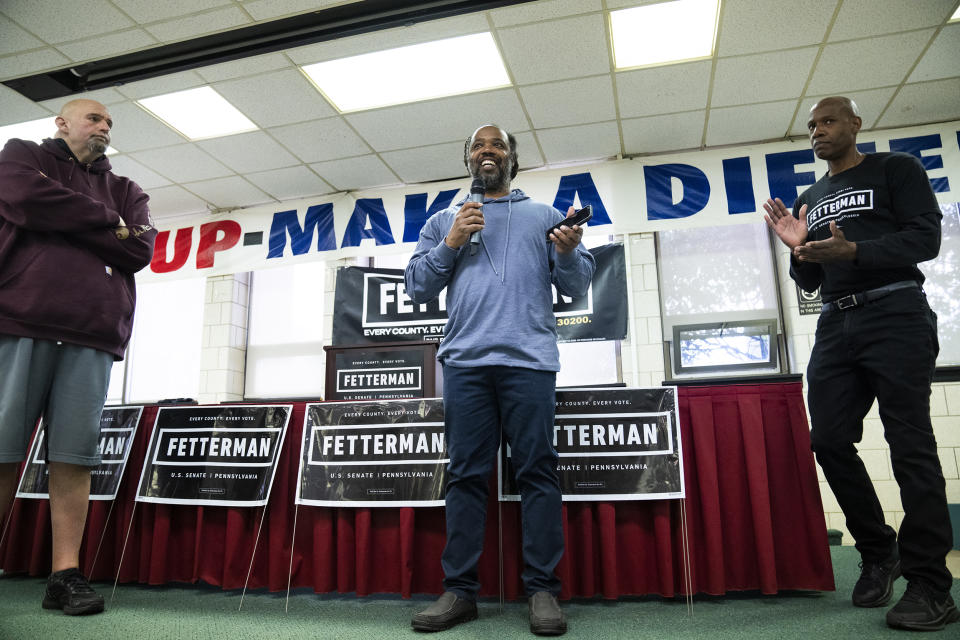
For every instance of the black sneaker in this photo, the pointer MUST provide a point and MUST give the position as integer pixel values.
(922, 609)
(449, 610)
(875, 586)
(546, 618)
(70, 591)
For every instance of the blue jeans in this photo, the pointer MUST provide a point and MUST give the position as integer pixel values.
(885, 350)
(477, 401)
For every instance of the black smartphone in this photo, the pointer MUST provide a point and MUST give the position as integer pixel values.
(578, 218)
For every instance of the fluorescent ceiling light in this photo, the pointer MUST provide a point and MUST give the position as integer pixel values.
(198, 113)
(453, 66)
(35, 130)
(664, 33)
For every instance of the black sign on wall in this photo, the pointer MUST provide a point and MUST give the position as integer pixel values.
(223, 455)
(371, 305)
(810, 303)
(118, 426)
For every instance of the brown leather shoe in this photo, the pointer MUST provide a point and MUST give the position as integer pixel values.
(546, 618)
(448, 611)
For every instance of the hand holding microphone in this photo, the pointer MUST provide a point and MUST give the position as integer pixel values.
(476, 195)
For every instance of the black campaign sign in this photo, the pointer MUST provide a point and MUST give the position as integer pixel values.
(613, 444)
(371, 305)
(225, 455)
(379, 374)
(118, 426)
(383, 453)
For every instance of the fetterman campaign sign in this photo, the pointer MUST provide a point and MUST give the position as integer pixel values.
(373, 454)
(614, 444)
(218, 455)
(118, 426)
(371, 305)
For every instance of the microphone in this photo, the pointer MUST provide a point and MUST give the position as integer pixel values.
(476, 195)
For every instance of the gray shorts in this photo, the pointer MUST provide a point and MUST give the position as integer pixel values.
(64, 383)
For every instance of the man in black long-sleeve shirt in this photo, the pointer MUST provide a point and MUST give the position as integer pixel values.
(858, 234)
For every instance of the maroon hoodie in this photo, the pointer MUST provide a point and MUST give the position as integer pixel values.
(65, 272)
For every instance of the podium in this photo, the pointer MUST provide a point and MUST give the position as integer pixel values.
(383, 371)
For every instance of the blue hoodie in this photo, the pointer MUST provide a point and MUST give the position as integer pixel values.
(499, 301)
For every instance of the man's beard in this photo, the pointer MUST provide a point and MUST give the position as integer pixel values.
(97, 145)
(496, 182)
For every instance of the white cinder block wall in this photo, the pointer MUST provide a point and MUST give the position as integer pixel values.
(944, 410)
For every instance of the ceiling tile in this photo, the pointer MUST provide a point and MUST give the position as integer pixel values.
(199, 24)
(750, 123)
(847, 66)
(934, 101)
(528, 152)
(161, 85)
(244, 67)
(556, 50)
(355, 173)
(134, 129)
(435, 121)
(13, 38)
(269, 9)
(103, 96)
(62, 21)
(25, 64)
(570, 144)
(769, 76)
(232, 191)
(865, 18)
(668, 89)
(320, 140)
(181, 163)
(743, 25)
(150, 10)
(543, 10)
(559, 104)
(276, 98)
(656, 134)
(423, 164)
(254, 151)
(16, 108)
(942, 59)
(124, 165)
(109, 44)
(290, 183)
(166, 202)
(871, 102)
(390, 38)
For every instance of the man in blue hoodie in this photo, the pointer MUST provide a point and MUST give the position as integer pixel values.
(500, 358)
(72, 234)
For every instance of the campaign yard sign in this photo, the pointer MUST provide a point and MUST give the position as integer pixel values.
(613, 444)
(384, 453)
(217, 455)
(118, 426)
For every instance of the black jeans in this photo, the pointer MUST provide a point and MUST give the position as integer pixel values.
(477, 401)
(885, 350)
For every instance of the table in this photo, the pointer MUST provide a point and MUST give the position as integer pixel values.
(753, 510)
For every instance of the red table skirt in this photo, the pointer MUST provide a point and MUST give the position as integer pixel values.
(753, 512)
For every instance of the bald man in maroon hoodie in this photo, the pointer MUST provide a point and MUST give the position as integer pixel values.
(72, 234)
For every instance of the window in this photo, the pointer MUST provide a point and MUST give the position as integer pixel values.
(164, 353)
(943, 286)
(285, 357)
(716, 346)
(719, 300)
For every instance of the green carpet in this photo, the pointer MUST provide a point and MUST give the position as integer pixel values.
(206, 612)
